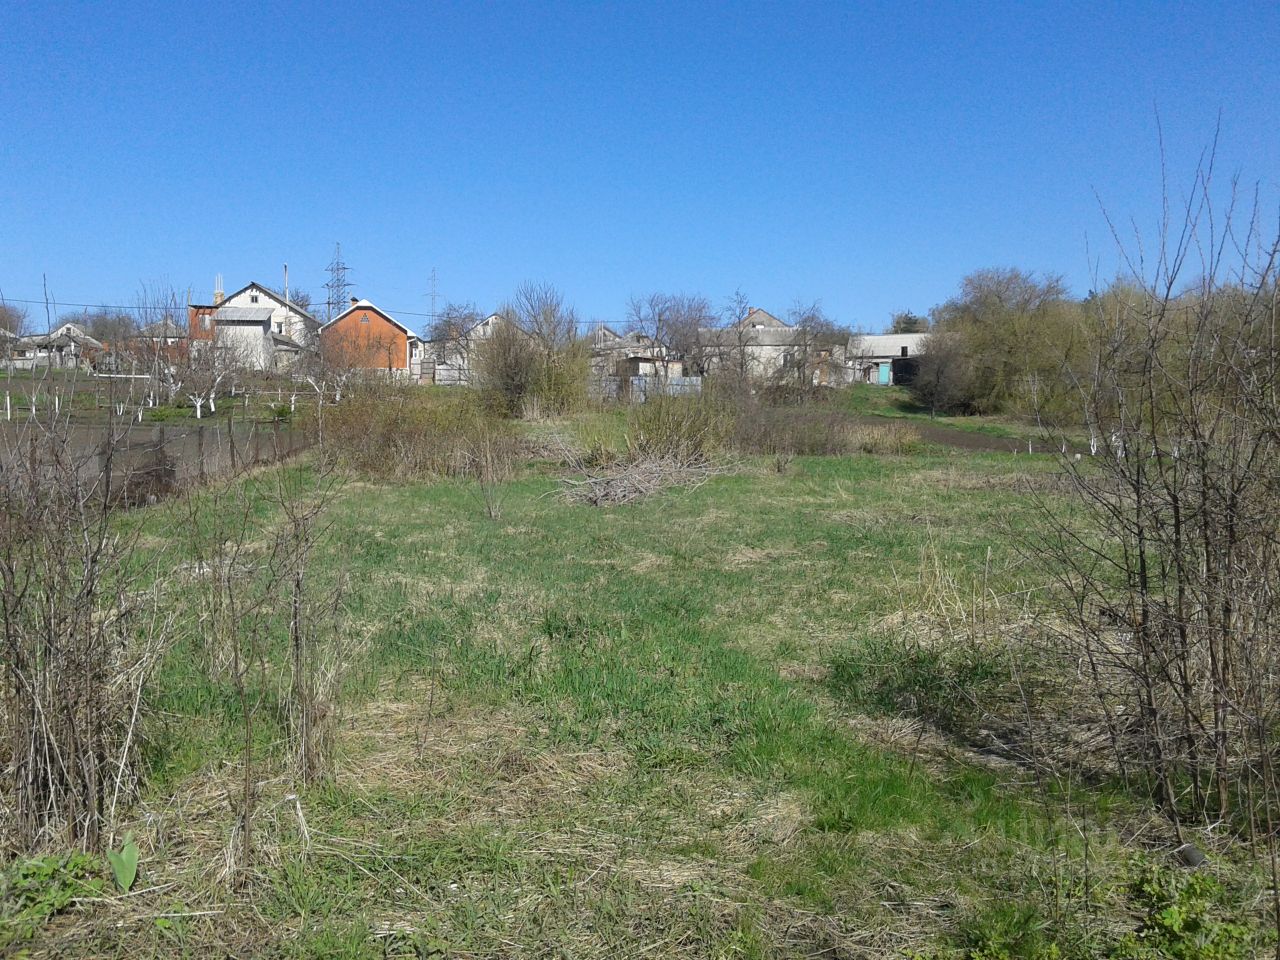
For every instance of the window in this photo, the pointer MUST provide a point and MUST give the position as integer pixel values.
(279, 327)
(904, 351)
(364, 318)
(253, 298)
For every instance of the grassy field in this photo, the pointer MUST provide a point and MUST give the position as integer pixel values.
(896, 403)
(575, 732)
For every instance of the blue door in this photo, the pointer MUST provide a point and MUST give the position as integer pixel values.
(886, 371)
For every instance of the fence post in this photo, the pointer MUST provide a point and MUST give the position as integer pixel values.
(157, 457)
(200, 472)
(275, 440)
(104, 464)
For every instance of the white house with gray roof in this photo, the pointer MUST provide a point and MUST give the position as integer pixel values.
(255, 327)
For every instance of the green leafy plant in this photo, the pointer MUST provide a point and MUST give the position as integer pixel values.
(1184, 919)
(32, 891)
(124, 865)
(1006, 931)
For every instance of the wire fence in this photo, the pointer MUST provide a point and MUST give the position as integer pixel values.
(143, 463)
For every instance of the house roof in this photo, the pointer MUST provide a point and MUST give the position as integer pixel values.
(604, 332)
(886, 345)
(274, 296)
(249, 316)
(70, 329)
(163, 329)
(480, 323)
(366, 305)
(763, 318)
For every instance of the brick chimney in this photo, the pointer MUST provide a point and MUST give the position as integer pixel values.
(218, 295)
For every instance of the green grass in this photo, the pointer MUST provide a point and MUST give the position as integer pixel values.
(583, 732)
(896, 403)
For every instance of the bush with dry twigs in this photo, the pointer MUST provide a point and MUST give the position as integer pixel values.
(670, 442)
(390, 431)
(82, 629)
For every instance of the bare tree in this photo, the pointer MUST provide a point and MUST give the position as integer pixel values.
(13, 318)
(672, 325)
(540, 310)
(453, 322)
(815, 340)
(106, 325)
(736, 342)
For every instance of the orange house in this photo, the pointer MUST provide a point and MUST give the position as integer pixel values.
(365, 338)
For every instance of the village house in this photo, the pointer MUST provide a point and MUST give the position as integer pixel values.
(450, 361)
(68, 346)
(363, 337)
(254, 328)
(756, 347)
(885, 359)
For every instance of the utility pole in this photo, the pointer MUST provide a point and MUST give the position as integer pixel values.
(338, 288)
(433, 294)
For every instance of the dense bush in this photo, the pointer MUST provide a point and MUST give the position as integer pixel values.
(410, 432)
(1005, 343)
(685, 429)
(818, 431)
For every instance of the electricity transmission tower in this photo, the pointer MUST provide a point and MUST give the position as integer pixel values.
(433, 293)
(339, 287)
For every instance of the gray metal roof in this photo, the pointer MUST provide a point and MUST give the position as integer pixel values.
(258, 316)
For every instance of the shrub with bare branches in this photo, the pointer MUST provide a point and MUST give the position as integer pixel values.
(82, 628)
(1169, 575)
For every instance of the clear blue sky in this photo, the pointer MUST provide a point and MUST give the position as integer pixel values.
(868, 155)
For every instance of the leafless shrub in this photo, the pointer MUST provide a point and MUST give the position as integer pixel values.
(317, 655)
(1169, 576)
(82, 628)
(670, 442)
(817, 430)
(230, 599)
(491, 455)
(391, 431)
(684, 430)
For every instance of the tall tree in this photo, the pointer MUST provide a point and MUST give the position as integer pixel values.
(13, 318)
(904, 321)
(1015, 331)
(453, 321)
(815, 336)
(104, 324)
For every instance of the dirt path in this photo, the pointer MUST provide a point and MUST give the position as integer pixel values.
(963, 439)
